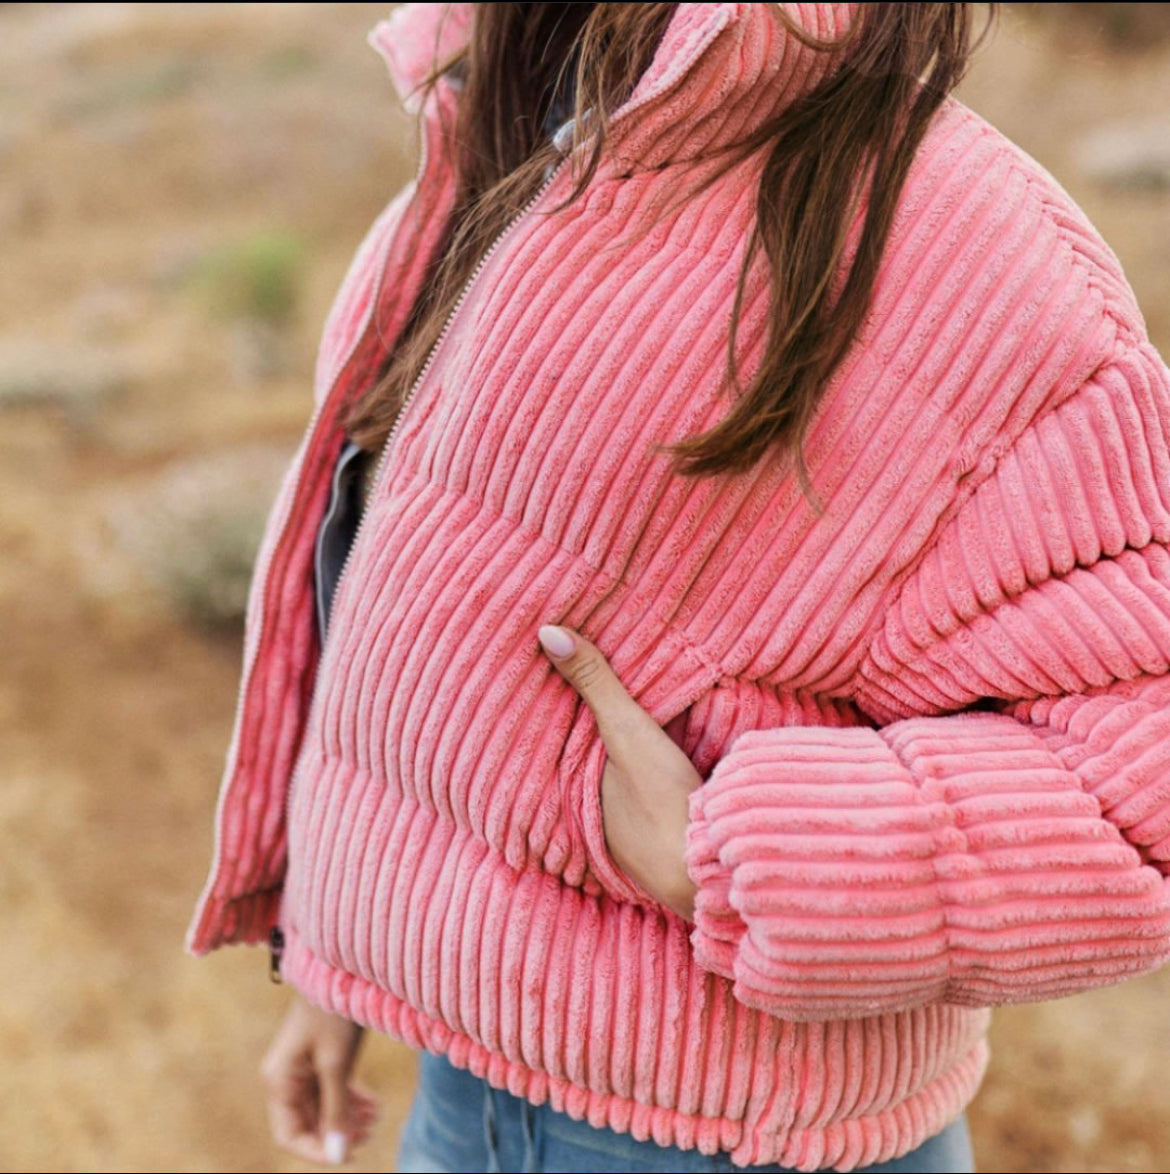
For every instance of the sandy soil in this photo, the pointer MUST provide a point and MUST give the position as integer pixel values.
(135, 140)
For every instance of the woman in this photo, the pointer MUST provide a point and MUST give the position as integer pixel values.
(752, 664)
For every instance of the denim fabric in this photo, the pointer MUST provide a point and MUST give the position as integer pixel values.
(458, 1122)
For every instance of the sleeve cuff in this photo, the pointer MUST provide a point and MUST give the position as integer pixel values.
(718, 927)
(850, 872)
(814, 857)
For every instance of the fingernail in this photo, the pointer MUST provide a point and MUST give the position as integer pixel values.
(335, 1147)
(556, 641)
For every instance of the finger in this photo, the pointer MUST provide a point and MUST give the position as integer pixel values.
(287, 1121)
(360, 1129)
(332, 1081)
(290, 1096)
(308, 1147)
(363, 1116)
(582, 665)
(361, 1101)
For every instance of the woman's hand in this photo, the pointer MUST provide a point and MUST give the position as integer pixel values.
(314, 1110)
(647, 779)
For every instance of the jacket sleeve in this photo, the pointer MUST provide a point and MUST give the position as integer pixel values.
(1002, 833)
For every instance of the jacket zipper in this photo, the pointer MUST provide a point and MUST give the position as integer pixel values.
(275, 953)
(375, 481)
(561, 137)
(276, 937)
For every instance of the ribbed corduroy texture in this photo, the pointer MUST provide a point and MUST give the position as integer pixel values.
(934, 721)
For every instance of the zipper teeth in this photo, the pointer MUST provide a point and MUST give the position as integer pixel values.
(383, 459)
(387, 447)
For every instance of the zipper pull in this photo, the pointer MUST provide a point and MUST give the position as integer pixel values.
(275, 952)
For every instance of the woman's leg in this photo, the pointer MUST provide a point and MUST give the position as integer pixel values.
(444, 1133)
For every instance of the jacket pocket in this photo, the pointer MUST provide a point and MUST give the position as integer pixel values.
(668, 681)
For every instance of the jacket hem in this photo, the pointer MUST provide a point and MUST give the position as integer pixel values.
(843, 1145)
(228, 921)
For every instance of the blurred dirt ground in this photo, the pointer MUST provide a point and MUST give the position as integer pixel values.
(182, 188)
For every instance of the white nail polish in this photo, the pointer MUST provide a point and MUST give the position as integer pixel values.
(335, 1147)
(556, 641)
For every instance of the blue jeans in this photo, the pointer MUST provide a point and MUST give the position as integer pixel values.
(458, 1122)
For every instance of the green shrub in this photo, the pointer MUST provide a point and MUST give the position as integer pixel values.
(257, 279)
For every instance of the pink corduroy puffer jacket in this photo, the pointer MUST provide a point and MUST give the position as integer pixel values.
(933, 721)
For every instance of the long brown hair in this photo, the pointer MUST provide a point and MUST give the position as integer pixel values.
(845, 145)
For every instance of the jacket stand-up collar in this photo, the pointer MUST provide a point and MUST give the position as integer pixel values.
(718, 73)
